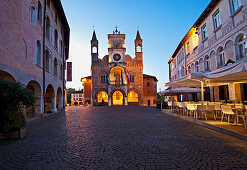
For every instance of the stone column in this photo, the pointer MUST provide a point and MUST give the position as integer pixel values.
(109, 101)
(60, 102)
(53, 100)
(125, 101)
(42, 105)
(39, 105)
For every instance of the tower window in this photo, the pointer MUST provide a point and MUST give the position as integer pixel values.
(94, 50)
(138, 49)
(132, 78)
(148, 84)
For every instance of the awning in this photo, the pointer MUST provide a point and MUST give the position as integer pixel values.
(232, 73)
(181, 90)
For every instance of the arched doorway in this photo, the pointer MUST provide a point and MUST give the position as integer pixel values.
(102, 96)
(50, 99)
(117, 98)
(6, 76)
(59, 99)
(35, 109)
(133, 98)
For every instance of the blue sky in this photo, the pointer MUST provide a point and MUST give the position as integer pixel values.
(162, 25)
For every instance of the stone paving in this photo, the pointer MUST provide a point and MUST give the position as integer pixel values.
(121, 138)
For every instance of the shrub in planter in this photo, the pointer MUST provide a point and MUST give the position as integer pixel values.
(13, 98)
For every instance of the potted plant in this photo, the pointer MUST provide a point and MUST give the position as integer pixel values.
(14, 97)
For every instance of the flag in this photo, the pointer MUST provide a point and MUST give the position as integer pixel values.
(107, 79)
(127, 76)
(122, 76)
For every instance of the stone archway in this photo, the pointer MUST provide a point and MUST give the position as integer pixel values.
(59, 99)
(133, 97)
(6, 76)
(50, 102)
(35, 109)
(117, 98)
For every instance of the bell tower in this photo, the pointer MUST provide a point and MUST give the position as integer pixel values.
(94, 48)
(138, 46)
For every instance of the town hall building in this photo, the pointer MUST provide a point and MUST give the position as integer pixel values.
(117, 78)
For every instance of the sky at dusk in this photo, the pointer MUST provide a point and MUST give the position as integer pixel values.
(162, 25)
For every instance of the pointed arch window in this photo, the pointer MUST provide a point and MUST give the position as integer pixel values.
(94, 50)
(39, 12)
(55, 67)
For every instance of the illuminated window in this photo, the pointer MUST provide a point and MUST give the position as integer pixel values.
(117, 98)
(94, 50)
(102, 96)
(132, 96)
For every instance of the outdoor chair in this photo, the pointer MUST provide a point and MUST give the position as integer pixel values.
(210, 109)
(201, 109)
(191, 108)
(243, 115)
(217, 110)
(228, 112)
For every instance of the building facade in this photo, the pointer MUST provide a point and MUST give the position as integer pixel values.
(77, 98)
(117, 78)
(25, 28)
(217, 39)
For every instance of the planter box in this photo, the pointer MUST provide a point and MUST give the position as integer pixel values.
(17, 134)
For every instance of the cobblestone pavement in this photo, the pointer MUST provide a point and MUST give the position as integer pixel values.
(121, 138)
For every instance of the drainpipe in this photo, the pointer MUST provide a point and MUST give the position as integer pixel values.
(44, 24)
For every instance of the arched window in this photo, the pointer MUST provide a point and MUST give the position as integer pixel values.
(38, 53)
(148, 84)
(61, 71)
(207, 63)
(242, 47)
(94, 50)
(33, 16)
(47, 61)
(47, 29)
(39, 12)
(189, 70)
(56, 38)
(197, 66)
(55, 67)
(138, 49)
(221, 57)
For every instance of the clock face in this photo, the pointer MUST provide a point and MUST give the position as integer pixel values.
(116, 57)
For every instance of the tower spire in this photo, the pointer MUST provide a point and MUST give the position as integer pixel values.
(138, 36)
(94, 38)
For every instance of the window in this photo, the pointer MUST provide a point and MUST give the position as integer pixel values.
(103, 78)
(217, 22)
(38, 54)
(221, 57)
(178, 73)
(204, 32)
(148, 84)
(61, 71)
(56, 38)
(187, 48)
(33, 16)
(148, 93)
(189, 69)
(55, 67)
(47, 29)
(94, 50)
(242, 47)
(48, 3)
(138, 49)
(182, 71)
(131, 78)
(197, 66)
(235, 5)
(47, 60)
(207, 63)
(61, 47)
(39, 12)
(56, 17)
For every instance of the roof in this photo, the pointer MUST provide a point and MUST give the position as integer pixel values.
(138, 37)
(66, 28)
(94, 38)
(77, 92)
(149, 76)
(198, 22)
